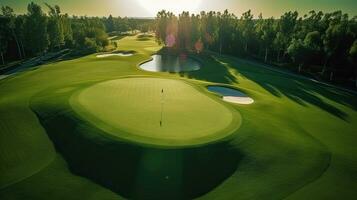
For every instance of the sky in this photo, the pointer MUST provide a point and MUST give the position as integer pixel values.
(149, 8)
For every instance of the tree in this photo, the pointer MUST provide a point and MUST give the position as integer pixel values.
(195, 30)
(313, 44)
(285, 28)
(8, 12)
(247, 28)
(209, 28)
(184, 30)
(226, 27)
(89, 34)
(267, 36)
(110, 24)
(3, 37)
(20, 32)
(312, 22)
(279, 42)
(67, 30)
(353, 57)
(161, 26)
(166, 28)
(144, 28)
(333, 39)
(298, 52)
(55, 27)
(36, 29)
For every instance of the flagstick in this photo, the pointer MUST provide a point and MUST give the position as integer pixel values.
(162, 105)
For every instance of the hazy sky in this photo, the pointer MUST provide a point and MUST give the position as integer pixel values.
(148, 8)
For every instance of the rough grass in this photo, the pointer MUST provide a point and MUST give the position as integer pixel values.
(297, 140)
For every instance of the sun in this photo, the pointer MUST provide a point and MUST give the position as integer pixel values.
(153, 6)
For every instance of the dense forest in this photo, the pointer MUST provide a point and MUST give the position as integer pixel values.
(320, 44)
(38, 32)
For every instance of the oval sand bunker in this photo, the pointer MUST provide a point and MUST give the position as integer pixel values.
(170, 63)
(114, 54)
(231, 95)
(156, 111)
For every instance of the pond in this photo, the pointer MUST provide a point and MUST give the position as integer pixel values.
(171, 63)
(231, 95)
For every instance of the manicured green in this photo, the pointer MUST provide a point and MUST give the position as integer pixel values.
(135, 106)
(297, 141)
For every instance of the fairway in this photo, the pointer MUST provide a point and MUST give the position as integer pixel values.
(89, 128)
(154, 109)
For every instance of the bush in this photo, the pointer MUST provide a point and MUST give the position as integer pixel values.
(90, 44)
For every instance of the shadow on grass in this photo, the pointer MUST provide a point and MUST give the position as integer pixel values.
(125, 51)
(135, 171)
(144, 37)
(304, 92)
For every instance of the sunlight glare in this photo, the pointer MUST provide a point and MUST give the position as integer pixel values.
(153, 6)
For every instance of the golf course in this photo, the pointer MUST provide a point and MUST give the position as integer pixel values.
(103, 128)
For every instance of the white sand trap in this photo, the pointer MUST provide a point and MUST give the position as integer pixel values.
(231, 95)
(114, 54)
(240, 100)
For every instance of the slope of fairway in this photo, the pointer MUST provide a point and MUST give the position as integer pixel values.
(156, 111)
(56, 182)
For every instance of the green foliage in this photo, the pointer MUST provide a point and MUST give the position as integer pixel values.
(90, 44)
(67, 30)
(298, 51)
(37, 32)
(122, 25)
(4, 26)
(55, 27)
(313, 40)
(166, 24)
(37, 40)
(353, 53)
(89, 33)
(267, 35)
(247, 28)
(184, 28)
(322, 39)
(353, 50)
(327, 36)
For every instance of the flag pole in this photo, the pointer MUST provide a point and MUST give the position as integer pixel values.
(162, 105)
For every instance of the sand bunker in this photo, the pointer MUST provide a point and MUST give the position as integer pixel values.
(231, 95)
(114, 54)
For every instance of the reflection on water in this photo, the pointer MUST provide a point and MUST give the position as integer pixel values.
(170, 63)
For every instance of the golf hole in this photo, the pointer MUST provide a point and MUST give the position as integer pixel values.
(157, 120)
(231, 95)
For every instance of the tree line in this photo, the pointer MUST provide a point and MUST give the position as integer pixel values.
(37, 32)
(318, 43)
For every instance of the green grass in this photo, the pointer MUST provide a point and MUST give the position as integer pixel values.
(297, 141)
(133, 106)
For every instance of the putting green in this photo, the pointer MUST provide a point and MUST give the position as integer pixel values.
(130, 108)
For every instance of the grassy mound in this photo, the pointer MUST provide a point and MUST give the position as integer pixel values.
(131, 169)
(156, 111)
